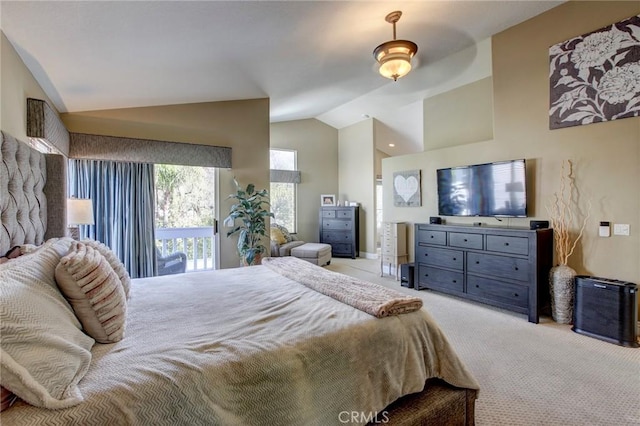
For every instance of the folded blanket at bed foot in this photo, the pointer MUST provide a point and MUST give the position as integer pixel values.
(371, 298)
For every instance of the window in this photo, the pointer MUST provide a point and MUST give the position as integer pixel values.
(283, 187)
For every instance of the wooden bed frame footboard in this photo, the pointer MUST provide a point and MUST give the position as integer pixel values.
(439, 404)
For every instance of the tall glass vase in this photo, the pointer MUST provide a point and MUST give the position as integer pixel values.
(561, 286)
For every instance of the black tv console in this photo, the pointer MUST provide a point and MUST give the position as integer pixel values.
(503, 267)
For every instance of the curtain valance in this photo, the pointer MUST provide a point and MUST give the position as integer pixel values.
(44, 123)
(285, 176)
(114, 148)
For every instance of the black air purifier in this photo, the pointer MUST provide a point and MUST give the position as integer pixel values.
(606, 309)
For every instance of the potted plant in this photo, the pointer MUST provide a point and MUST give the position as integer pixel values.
(249, 213)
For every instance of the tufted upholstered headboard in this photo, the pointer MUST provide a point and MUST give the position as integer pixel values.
(32, 194)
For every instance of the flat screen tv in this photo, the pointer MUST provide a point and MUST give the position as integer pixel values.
(492, 189)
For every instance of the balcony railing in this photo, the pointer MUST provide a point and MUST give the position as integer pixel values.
(196, 243)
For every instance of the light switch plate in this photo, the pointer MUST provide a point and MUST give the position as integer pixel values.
(621, 229)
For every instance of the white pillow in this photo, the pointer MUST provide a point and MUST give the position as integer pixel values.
(44, 353)
(94, 290)
(115, 263)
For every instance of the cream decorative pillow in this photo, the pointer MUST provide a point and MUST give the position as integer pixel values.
(277, 236)
(115, 263)
(285, 232)
(44, 352)
(92, 287)
(28, 248)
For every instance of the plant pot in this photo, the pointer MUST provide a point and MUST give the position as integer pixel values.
(257, 260)
(561, 286)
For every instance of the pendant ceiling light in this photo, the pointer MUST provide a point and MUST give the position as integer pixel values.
(395, 56)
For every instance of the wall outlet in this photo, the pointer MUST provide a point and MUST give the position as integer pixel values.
(621, 229)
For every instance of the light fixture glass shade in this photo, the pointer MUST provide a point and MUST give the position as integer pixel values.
(79, 212)
(395, 58)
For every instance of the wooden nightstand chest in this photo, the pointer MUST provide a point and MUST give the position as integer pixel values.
(339, 226)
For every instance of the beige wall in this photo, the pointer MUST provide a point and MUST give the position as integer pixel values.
(471, 106)
(317, 151)
(242, 125)
(16, 85)
(606, 155)
(379, 156)
(357, 177)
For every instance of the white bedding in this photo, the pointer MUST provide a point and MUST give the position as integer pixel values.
(247, 346)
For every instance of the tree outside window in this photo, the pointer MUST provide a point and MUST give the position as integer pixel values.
(283, 194)
(185, 198)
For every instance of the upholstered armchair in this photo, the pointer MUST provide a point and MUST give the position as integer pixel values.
(282, 241)
(174, 263)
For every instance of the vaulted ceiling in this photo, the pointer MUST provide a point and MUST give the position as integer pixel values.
(313, 59)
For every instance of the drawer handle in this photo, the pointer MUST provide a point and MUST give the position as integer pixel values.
(516, 268)
(426, 254)
(431, 236)
(477, 262)
(454, 258)
(465, 240)
(454, 281)
(506, 244)
(477, 286)
(515, 294)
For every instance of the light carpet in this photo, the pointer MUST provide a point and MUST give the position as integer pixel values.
(529, 374)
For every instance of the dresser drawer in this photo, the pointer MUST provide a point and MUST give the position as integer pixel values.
(341, 249)
(342, 225)
(440, 279)
(391, 258)
(344, 214)
(432, 237)
(336, 237)
(328, 213)
(439, 257)
(511, 294)
(498, 266)
(513, 245)
(389, 249)
(471, 241)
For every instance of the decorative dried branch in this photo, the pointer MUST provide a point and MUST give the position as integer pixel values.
(562, 215)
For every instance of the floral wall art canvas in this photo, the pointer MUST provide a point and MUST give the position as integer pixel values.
(406, 188)
(596, 77)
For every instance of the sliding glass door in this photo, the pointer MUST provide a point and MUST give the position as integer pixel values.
(186, 218)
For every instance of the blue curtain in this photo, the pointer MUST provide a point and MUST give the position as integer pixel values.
(123, 205)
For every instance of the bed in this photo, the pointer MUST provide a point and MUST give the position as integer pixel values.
(268, 344)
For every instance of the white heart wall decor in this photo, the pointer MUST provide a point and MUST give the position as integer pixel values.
(406, 187)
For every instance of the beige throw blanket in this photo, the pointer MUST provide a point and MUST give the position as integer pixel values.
(368, 297)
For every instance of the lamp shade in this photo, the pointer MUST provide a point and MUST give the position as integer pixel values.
(79, 212)
(394, 58)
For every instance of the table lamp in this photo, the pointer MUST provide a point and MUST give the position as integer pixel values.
(79, 212)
